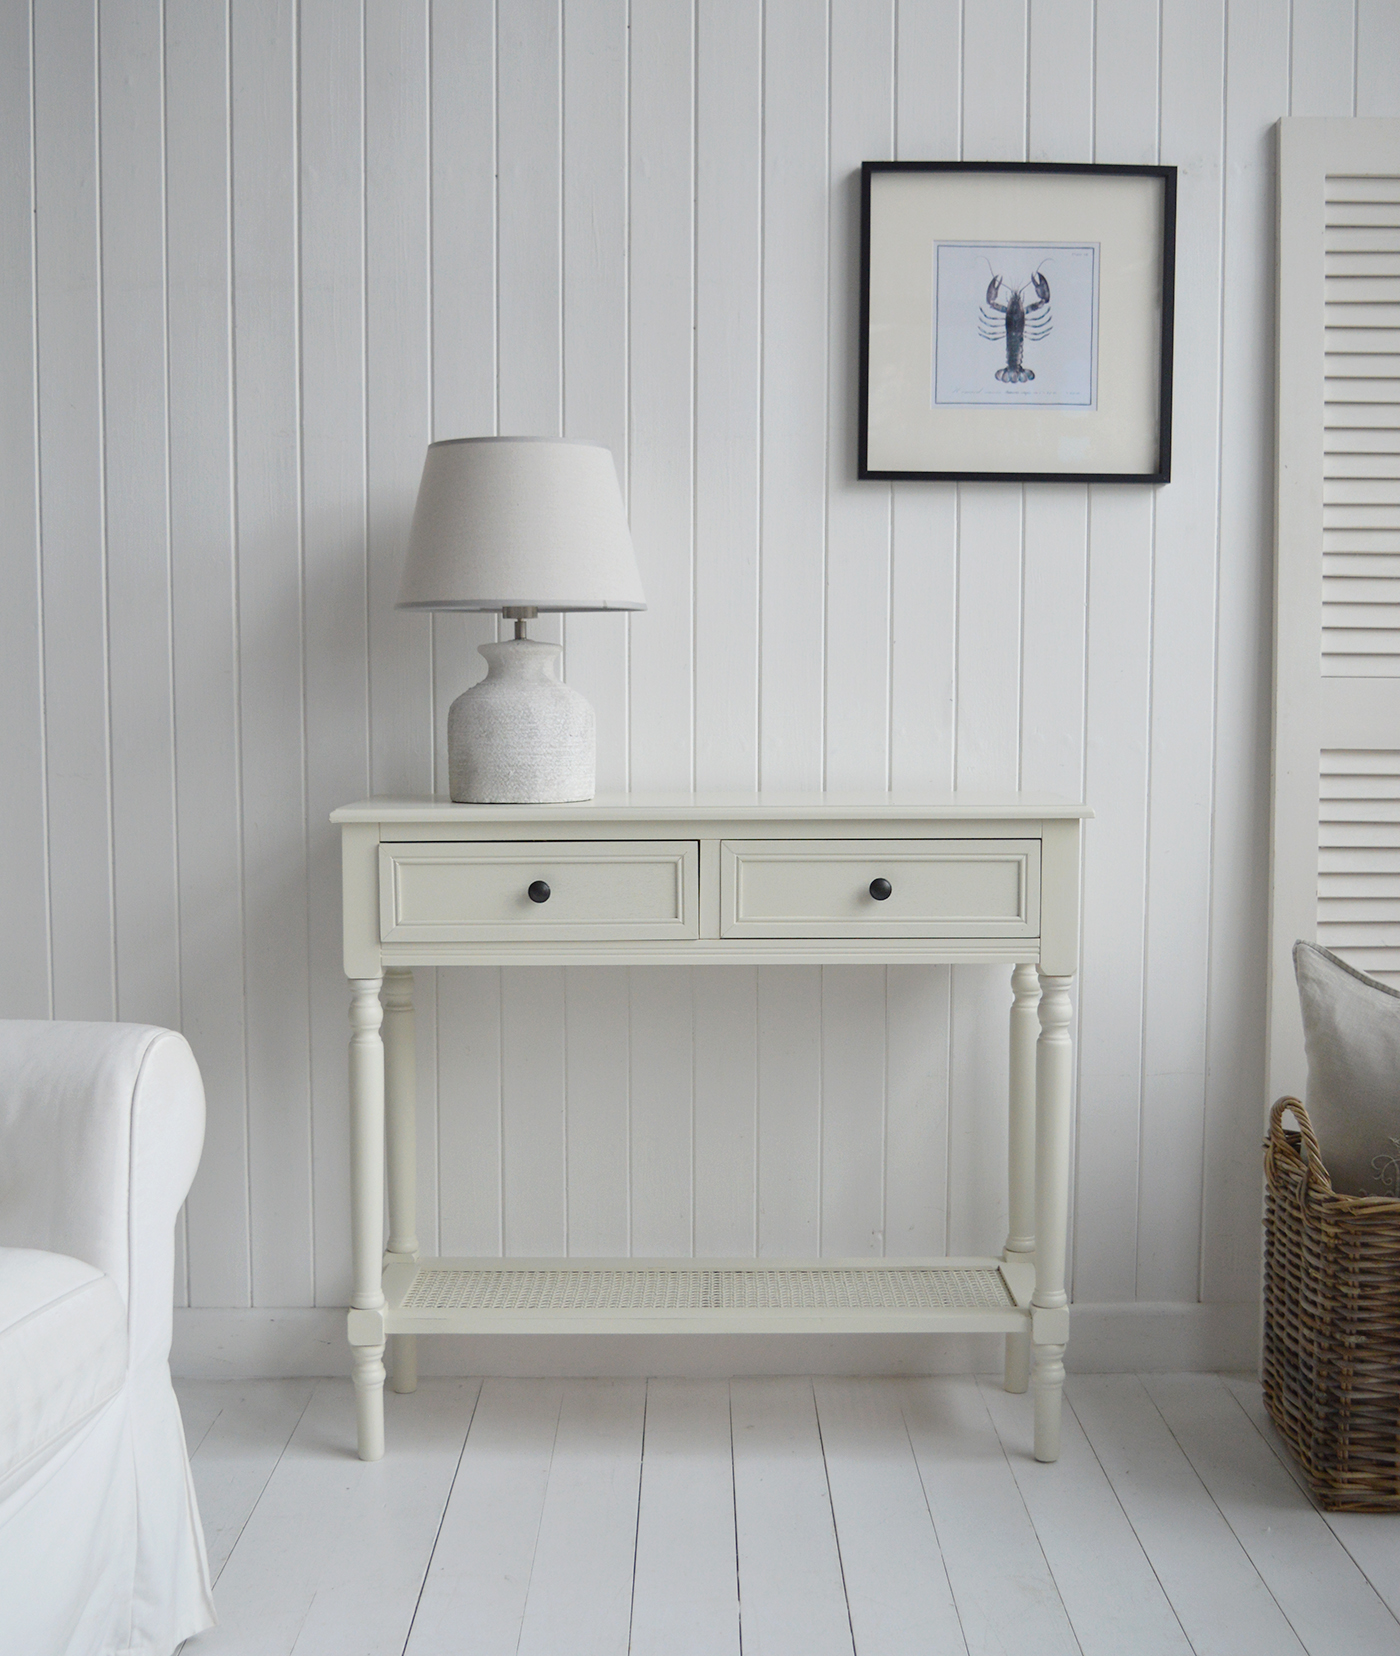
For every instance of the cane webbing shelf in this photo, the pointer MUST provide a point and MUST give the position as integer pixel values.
(619, 1295)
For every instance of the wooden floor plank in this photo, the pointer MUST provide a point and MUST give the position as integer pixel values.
(686, 1598)
(239, 1451)
(580, 1596)
(1223, 1604)
(1006, 1597)
(897, 1589)
(473, 1600)
(1114, 1601)
(332, 1559)
(1372, 1538)
(1332, 1607)
(790, 1589)
(200, 1404)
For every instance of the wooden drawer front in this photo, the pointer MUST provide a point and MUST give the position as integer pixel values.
(479, 893)
(821, 888)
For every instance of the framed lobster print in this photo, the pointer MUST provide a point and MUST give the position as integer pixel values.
(1016, 321)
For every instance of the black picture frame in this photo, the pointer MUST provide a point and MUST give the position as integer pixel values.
(1119, 416)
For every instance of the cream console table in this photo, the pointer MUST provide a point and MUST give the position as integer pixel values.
(654, 879)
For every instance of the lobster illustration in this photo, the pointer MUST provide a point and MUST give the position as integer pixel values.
(1015, 321)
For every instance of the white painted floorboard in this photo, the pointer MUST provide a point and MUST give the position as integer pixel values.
(1372, 1539)
(1328, 1601)
(248, 1427)
(1114, 1601)
(774, 1518)
(1223, 1605)
(685, 1601)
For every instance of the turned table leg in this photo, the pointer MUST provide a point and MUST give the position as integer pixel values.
(401, 1146)
(1050, 1302)
(1020, 1240)
(367, 1210)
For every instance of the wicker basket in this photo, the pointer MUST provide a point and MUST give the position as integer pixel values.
(1331, 1323)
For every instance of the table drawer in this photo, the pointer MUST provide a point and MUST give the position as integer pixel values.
(474, 892)
(822, 888)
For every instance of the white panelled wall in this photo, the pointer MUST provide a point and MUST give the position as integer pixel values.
(255, 257)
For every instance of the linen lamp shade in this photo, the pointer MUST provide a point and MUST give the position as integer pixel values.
(520, 524)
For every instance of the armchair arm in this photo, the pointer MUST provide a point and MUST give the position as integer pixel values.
(101, 1126)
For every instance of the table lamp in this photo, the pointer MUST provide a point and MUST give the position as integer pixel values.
(520, 525)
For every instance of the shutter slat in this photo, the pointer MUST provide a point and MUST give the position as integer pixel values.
(1357, 490)
(1375, 262)
(1356, 590)
(1358, 859)
(1369, 240)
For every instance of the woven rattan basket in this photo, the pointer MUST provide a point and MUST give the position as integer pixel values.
(1331, 1322)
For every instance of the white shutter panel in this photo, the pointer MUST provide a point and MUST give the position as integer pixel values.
(1336, 803)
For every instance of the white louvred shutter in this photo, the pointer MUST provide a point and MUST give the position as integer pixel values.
(1336, 801)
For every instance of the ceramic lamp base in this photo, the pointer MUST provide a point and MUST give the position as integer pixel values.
(522, 736)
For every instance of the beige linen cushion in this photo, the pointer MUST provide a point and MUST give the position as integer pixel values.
(1351, 1029)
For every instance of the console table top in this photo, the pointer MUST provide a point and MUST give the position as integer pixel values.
(903, 804)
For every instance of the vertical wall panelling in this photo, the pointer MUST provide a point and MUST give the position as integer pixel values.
(330, 62)
(472, 1102)
(1322, 73)
(1183, 629)
(728, 292)
(271, 709)
(1054, 574)
(1377, 58)
(853, 1110)
(199, 275)
(598, 1013)
(462, 143)
(726, 1110)
(24, 970)
(857, 635)
(532, 1093)
(794, 419)
(916, 1109)
(529, 134)
(1118, 668)
(1256, 78)
(274, 248)
(594, 345)
(398, 418)
(987, 732)
(792, 517)
(138, 551)
(661, 1095)
(789, 1110)
(661, 437)
(922, 690)
(729, 208)
(857, 514)
(462, 204)
(923, 516)
(661, 389)
(71, 507)
(398, 403)
(1060, 128)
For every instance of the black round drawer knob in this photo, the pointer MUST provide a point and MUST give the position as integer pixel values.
(880, 889)
(538, 891)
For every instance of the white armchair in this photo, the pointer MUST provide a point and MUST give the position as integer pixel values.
(101, 1551)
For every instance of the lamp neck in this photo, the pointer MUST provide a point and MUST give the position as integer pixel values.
(520, 614)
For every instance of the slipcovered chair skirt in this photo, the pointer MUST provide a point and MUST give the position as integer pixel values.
(101, 1550)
